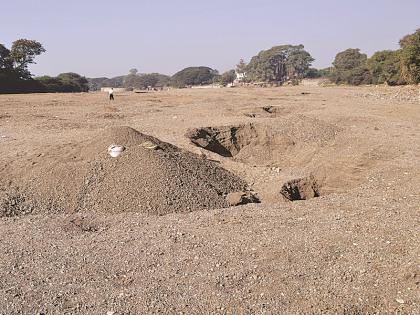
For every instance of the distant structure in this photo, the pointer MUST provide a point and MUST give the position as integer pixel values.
(208, 86)
(107, 89)
(240, 76)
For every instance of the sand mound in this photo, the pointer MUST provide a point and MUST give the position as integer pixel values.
(261, 143)
(150, 176)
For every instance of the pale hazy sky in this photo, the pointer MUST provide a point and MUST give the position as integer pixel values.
(107, 38)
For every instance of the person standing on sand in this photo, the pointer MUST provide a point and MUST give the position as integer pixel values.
(111, 94)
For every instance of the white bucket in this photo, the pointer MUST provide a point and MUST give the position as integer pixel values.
(115, 150)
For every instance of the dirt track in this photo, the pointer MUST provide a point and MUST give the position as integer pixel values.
(353, 250)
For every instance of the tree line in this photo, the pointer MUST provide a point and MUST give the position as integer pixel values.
(134, 80)
(277, 65)
(393, 67)
(16, 78)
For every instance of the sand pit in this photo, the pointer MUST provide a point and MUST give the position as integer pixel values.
(262, 144)
(150, 176)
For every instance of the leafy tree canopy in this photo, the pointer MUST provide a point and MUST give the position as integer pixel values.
(241, 66)
(64, 82)
(410, 57)
(144, 81)
(194, 76)
(14, 74)
(5, 60)
(23, 53)
(228, 77)
(350, 66)
(384, 67)
(312, 73)
(280, 63)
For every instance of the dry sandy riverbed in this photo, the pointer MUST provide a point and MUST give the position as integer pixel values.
(353, 250)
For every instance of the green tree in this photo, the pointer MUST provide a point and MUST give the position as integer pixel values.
(155, 80)
(95, 84)
(193, 76)
(241, 69)
(228, 77)
(410, 57)
(64, 82)
(14, 74)
(325, 72)
(133, 71)
(241, 66)
(115, 82)
(280, 63)
(350, 66)
(73, 82)
(23, 53)
(144, 81)
(5, 61)
(384, 67)
(298, 62)
(7, 72)
(50, 84)
(131, 80)
(312, 73)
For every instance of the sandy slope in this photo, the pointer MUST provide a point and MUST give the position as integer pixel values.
(354, 250)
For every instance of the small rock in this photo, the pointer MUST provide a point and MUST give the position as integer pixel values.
(240, 198)
(149, 145)
(400, 301)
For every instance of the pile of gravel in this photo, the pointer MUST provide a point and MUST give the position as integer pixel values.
(150, 176)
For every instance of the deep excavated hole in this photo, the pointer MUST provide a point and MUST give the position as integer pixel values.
(293, 144)
(264, 143)
(226, 141)
(300, 189)
(242, 142)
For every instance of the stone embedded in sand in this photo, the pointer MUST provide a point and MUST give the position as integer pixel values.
(234, 198)
(240, 198)
(149, 145)
(269, 109)
(300, 189)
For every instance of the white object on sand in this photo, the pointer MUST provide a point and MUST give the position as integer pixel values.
(115, 150)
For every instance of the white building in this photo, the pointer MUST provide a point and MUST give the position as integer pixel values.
(107, 89)
(240, 76)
